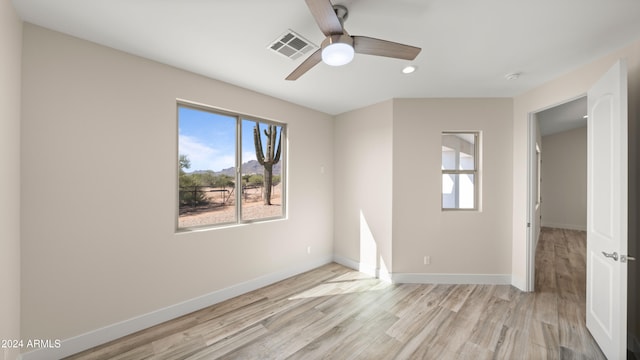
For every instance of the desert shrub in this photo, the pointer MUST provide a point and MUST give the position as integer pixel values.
(189, 184)
(275, 180)
(255, 180)
(223, 181)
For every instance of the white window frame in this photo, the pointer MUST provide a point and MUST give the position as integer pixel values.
(475, 172)
(238, 165)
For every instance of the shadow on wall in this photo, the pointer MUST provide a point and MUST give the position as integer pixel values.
(371, 262)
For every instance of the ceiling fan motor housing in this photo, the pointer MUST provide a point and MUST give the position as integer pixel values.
(341, 12)
(337, 39)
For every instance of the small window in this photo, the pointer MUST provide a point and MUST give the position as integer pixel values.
(459, 170)
(230, 168)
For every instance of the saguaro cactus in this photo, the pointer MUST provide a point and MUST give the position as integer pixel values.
(268, 159)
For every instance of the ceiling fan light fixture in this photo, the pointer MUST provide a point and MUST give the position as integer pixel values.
(337, 50)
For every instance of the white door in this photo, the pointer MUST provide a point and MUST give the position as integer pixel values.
(607, 212)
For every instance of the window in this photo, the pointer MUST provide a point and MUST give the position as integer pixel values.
(460, 170)
(230, 167)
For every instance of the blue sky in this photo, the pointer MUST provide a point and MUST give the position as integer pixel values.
(208, 139)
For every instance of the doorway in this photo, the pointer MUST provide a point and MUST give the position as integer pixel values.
(612, 209)
(563, 128)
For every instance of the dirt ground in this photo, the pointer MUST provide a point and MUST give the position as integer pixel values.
(220, 211)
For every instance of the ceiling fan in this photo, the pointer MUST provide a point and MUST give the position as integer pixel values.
(338, 47)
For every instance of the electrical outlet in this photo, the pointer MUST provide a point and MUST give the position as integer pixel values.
(427, 260)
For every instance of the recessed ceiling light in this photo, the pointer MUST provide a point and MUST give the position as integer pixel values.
(513, 76)
(409, 69)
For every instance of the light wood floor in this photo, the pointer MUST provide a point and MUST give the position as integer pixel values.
(336, 313)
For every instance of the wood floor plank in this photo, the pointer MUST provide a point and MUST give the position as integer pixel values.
(512, 343)
(408, 296)
(346, 337)
(420, 345)
(486, 334)
(497, 309)
(561, 250)
(420, 311)
(506, 292)
(544, 334)
(137, 353)
(567, 289)
(229, 344)
(535, 351)
(287, 341)
(229, 324)
(456, 297)
(467, 318)
(382, 346)
(546, 271)
(545, 307)
(337, 313)
(572, 330)
(521, 312)
(471, 351)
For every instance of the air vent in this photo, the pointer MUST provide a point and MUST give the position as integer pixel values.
(292, 45)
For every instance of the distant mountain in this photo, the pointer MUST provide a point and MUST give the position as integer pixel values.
(250, 167)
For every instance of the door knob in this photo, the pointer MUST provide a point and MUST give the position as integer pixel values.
(613, 255)
(624, 258)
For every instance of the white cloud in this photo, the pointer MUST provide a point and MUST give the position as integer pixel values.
(248, 156)
(204, 157)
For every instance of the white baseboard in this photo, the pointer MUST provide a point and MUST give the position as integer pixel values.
(420, 278)
(488, 279)
(368, 269)
(565, 226)
(111, 332)
(352, 264)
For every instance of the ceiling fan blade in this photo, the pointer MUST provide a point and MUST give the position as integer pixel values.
(372, 46)
(325, 16)
(306, 65)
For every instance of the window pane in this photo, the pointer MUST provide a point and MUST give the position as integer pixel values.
(458, 151)
(262, 160)
(206, 151)
(458, 191)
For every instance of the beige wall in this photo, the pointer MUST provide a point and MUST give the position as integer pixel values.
(388, 184)
(458, 242)
(564, 185)
(99, 172)
(363, 187)
(10, 63)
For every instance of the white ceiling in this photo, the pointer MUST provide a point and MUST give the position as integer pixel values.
(568, 116)
(468, 46)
